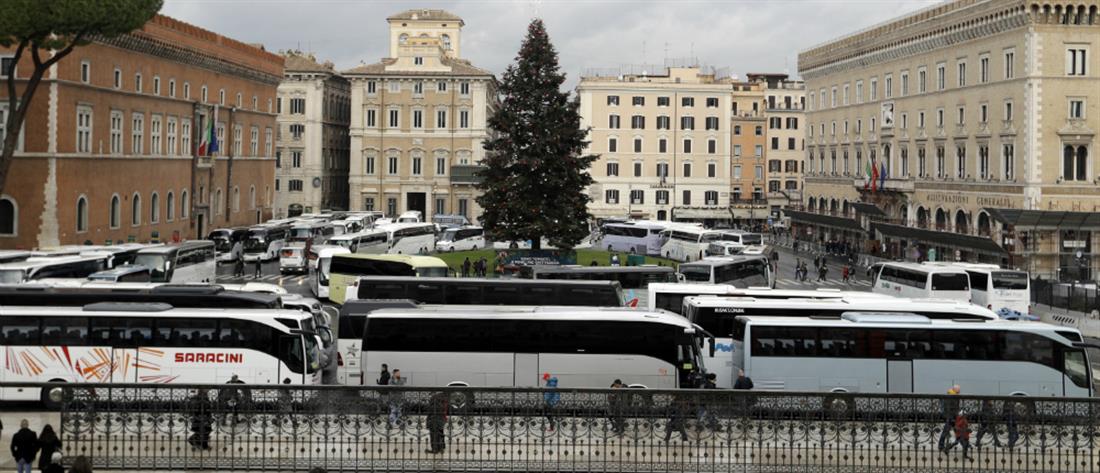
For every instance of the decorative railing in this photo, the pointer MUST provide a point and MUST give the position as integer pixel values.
(284, 428)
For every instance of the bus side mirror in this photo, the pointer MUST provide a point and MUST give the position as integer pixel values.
(710, 343)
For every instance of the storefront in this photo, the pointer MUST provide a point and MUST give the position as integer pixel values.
(917, 244)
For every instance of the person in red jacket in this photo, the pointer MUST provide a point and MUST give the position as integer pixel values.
(962, 434)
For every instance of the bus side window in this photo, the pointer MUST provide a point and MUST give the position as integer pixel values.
(465, 295)
(291, 352)
(65, 331)
(19, 331)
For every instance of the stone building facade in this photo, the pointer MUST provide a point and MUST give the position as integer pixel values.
(108, 152)
(749, 149)
(966, 112)
(312, 154)
(785, 108)
(418, 121)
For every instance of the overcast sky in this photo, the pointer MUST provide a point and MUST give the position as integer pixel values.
(742, 35)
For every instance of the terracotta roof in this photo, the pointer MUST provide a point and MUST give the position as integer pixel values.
(302, 63)
(459, 67)
(426, 14)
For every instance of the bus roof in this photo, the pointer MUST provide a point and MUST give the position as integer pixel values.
(924, 268)
(176, 247)
(623, 314)
(492, 281)
(847, 301)
(157, 310)
(181, 295)
(392, 227)
(637, 224)
(348, 236)
(853, 320)
(725, 260)
(726, 289)
(37, 261)
(571, 268)
(412, 260)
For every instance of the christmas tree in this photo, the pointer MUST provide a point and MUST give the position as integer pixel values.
(533, 186)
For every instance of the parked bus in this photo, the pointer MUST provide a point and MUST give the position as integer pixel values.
(909, 353)
(12, 256)
(264, 242)
(345, 270)
(670, 297)
(371, 242)
(315, 231)
(121, 254)
(687, 243)
(740, 271)
(918, 281)
(229, 242)
(152, 343)
(450, 221)
(44, 267)
(410, 238)
(462, 239)
(717, 314)
(633, 279)
(513, 346)
(734, 242)
(641, 237)
(997, 289)
(190, 261)
(129, 273)
(412, 216)
(320, 260)
(456, 291)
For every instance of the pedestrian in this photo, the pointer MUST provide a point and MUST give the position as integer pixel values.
(797, 266)
(384, 377)
(988, 419)
(24, 447)
(81, 465)
(238, 267)
(950, 407)
(396, 398)
(466, 267)
(821, 273)
(48, 445)
(706, 413)
(201, 420)
(616, 405)
(231, 399)
(550, 398)
(677, 420)
(54, 465)
(436, 420)
(1008, 413)
(615, 259)
(844, 273)
(962, 434)
(259, 267)
(743, 382)
(484, 267)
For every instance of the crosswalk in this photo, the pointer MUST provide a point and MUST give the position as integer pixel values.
(835, 283)
(280, 279)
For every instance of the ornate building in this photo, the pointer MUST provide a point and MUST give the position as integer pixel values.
(418, 121)
(967, 113)
(109, 146)
(314, 107)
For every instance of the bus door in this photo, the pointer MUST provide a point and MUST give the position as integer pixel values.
(525, 371)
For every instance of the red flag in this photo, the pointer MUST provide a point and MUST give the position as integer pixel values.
(874, 177)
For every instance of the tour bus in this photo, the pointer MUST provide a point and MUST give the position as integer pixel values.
(633, 279)
(641, 237)
(995, 288)
(121, 254)
(375, 292)
(687, 243)
(670, 297)
(320, 259)
(229, 242)
(128, 273)
(264, 242)
(345, 270)
(190, 261)
(462, 239)
(736, 243)
(741, 271)
(910, 353)
(43, 267)
(450, 221)
(371, 242)
(316, 231)
(493, 346)
(12, 256)
(920, 281)
(716, 315)
(293, 258)
(412, 216)
(111, 342)
(410, 238)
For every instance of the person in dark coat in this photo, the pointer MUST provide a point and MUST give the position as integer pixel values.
(259, 267)
(950, 411)
(55, 464)
(238, 267)
(384, 376)
(616, 406)
(466, 267)
(677, 419)
(743, 382)
(436, 421)
(24, 447)
(201, 420)
(48, 443)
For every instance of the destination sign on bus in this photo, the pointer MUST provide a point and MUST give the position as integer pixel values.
(209, 357)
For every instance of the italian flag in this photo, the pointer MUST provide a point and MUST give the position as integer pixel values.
(208, 141)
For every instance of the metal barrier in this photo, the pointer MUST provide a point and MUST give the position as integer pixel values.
(276, 428)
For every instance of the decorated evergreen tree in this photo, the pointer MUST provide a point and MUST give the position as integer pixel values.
(535, 179)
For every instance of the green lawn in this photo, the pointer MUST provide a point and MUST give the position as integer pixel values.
(584, 257)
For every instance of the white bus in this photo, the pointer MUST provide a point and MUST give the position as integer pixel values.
(487, 346)
(51, 267)
(320, 260)
(264, 242)
(228, 242)
(670, 297)
(899, 353)
(190, 261)
(735, 242)
(740, 271)
(687, 243)
(372, 242)
(717, 314)
(998, 289)
(641, 237)
(114, 342)
(412, 216)
(462, 239)
(314, 231)
(919, 281)
(410, 238)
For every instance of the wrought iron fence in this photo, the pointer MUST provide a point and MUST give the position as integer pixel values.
(238, 427)
(1072, 295)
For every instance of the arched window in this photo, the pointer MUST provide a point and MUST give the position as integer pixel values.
(984, 224)
(170, 207)
(922, 217)
(236, 199)
(1082, 163)
(82, 214)
(962, 225)
(9, 217)
(185, 204)
(154, 208)
(252, 197)
(218, 202)
(116, 212)
(811, 204)
(135, 215)
(941, 220)
(447, 42)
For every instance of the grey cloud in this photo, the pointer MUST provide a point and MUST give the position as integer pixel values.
(742, 35)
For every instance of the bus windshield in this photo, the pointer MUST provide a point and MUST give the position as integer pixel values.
(1009, 280)
(700, 273)
(301, 234)
(432, 272)
(157, 264)
(255, 243)
(751, 238)
(11, 276)
(222, 244)
(449, 235)
(950, 282)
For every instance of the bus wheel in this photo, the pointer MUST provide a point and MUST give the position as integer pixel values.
(838, 406)
(462, 401)
(52, 402)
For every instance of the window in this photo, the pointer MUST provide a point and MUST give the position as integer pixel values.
(185, 136)
(874, 89)
(687, 145)
(759, 151)
(737, 150)
(137, 134)
(296, 131)
(254, 141)
(859, 92)
(712, 102)
(686, 200)
(187, 90)
(759, 130)
(637, 169)
(1008, 111)
(775, 142)
(712, 169)
(612, 99)
(904, 84)
(663, 122)
(612, 169)
(611, 196)
(888, 86)
(939, 118)
(710, 197)
(171, 88)
(115, 212)
(712, 146)
(441, 119)
(962, 116)
(440, 166)
(637, 122)
(418, 61)
(712, 123)
(137, 83)
(82, 214)
(294, 185)
(612, 145)
(85, 72)
(372, 87)
(1008, 160)
(418, 119)
(221, 97)
(921, 162)
(9, 217)
(185, 204)
(368, 166)
(687, 170)
(464, 119)
(737, 129)
(758, 174)
(662, 145)
(637, 196)
(371, 118)
(941, 76)
(391, 165)
(170, 207)
(154, 208)
(961, 73)
(983, 161)
(296, 159)
(662, 197)
(687, 101)
(255, 103)
(637, 100)
(297, 106)
(1075, 162)
(922, 80)
(662, 170)
(84, 129)
(417, 166)
(983, 69)
(637, 145)
(920, 120)
(156, 85)
(687, 123)
(1010, 66)
(118, 78)
(154, 135)
(662, 101)
(983, 113)
(613, 121)
(116, 132)
(441, 86)
(1076, 61)
(464, 88)
(172, 134)
(1076, 108)
(790, 142)
(941, 162)
(395, 116)
(135, 214)
(846, 88)
(737, 171)
(267, 142)
(394, 86)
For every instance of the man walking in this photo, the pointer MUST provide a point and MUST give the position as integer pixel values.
(466, 267)
(384, 377)
(238, 267)
(950, 411)
(24, 447)
(259, 268)
(616, 404)
(437, 420)
(396, 398)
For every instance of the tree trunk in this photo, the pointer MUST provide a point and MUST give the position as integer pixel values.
(536, 242)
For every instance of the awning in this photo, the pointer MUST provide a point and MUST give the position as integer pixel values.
(711, 213)
(868, 209)
(937, 238)
(1045, 219)
(842, 223)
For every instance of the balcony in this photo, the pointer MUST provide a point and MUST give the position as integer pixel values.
(895, 184)
(466, 174)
